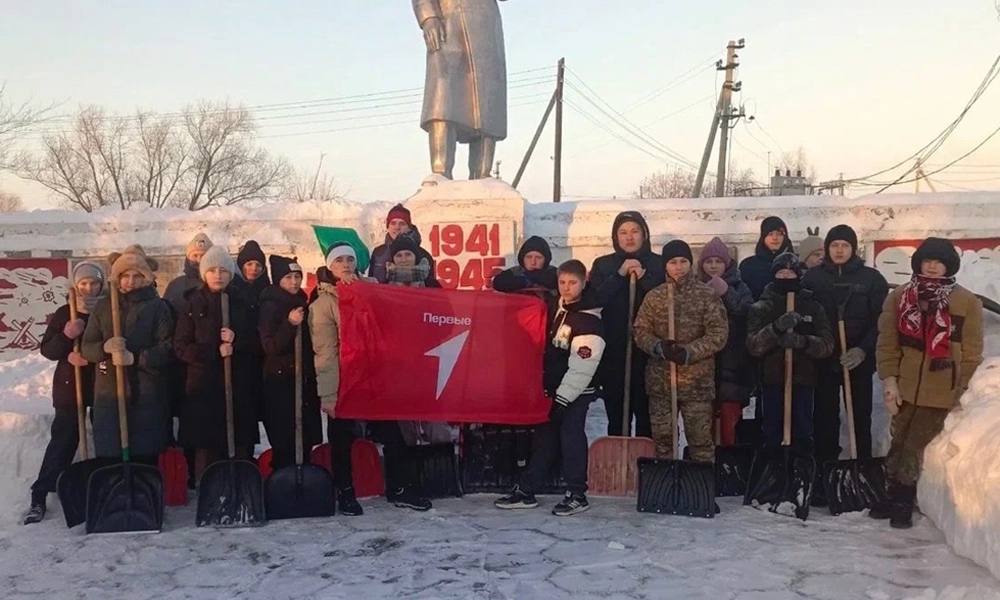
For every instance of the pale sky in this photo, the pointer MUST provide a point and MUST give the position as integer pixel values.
(858, 84)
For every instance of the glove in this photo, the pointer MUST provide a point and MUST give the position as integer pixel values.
(76, 359)
(793, 341)
(675, 353)
(227, 335)
(122, 359)
(890, 395)
(73, 329)
(787, 321)
(115, 344)
(328, 403)
(225, 350)
(852, 358)
(658, 350)
(719, 286)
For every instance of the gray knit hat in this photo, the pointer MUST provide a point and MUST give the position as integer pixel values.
(86, 269)
(216, 257)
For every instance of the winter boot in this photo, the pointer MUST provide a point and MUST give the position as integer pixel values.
(571, 504)
(902, 512)
(405, 497)
(517, 498)
(36, 512)
(883, 508)
(347, 502)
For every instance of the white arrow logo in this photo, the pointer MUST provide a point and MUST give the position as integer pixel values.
(447, 355)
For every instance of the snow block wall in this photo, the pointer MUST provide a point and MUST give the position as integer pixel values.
(959, 486)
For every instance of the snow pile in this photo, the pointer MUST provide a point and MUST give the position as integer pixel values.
(960, 485)
(27, 384)
(959, 593)
(22, 444)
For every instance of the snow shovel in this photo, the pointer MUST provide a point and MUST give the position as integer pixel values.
(732, 468)
(676, 487)
(782, 479)
(612, 462)
(71, 486)
(231, 491)
(854, 484)
(125, 497)
(299, 490)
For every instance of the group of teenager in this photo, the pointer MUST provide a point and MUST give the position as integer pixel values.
(731, 326)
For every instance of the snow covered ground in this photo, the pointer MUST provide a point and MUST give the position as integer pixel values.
(465, 548)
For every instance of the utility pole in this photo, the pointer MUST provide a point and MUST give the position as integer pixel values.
(725, 100)
(720, 119)
(557, 166)
(556, 97)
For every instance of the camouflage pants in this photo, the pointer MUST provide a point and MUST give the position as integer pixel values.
(695, 403)
(912, 429)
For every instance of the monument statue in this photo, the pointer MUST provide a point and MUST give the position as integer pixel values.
(465, 89)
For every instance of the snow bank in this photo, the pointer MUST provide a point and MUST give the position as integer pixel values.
(960, 485)
(22, 444)
(27, 385)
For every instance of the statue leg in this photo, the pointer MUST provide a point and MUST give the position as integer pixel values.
(481, 154)
(442, 143)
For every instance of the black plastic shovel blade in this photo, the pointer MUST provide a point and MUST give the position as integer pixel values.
(127, 497)
(854, 485)
(231, 494)
(732, 469)
(71, 487)
(676, 487)
(299, 491)
(781, 480)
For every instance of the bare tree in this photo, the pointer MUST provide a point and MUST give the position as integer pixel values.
(161, 161)
(85, 166)
(225, 167)
(667, 184)
(16, 120)
(207, 159)
(314, 186)
(797, 161)
(10, 202)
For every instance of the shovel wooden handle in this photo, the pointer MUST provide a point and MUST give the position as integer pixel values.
(81, 410)
(227, 374)
(116, 330)
(786, 438)
(848, 394)
(672, 336)
(298, 395)
(627, 396)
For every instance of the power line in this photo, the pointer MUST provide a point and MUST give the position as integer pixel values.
(699, 67)
(622, 121)
(592, 119)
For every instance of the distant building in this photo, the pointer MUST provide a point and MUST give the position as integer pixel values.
(788, 184)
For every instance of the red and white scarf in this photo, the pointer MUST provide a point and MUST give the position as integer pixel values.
(934, 334)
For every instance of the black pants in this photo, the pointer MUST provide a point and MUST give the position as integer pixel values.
(400, 466)
(613, 393)
(59, 453)
(566, 438)
(826, 415)
(340, 432)
(773, 412)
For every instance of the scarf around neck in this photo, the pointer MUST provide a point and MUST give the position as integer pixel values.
(933, 334)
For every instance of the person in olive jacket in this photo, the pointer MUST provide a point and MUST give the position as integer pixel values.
(145, 349)
(57, 344)
(930, 344)
(283, 311)
(201, 342)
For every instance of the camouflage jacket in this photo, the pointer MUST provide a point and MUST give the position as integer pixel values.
(701, 327)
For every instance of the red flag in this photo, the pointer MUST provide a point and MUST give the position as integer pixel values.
(440, 355)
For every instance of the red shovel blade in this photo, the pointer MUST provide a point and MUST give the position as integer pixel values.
(367, 466)
(264, 463)
(612, 465)
(174, 469)
(320, 456)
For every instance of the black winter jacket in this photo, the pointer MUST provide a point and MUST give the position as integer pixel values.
(734, 377)
(196, 343)
(762, 338)
(864, 289)
(574, 350)
(56, 346)
(756, 270)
